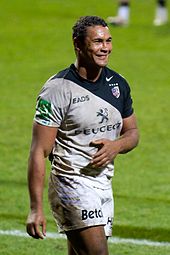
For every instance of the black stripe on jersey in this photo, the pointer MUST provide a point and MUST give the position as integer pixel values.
(103, 87)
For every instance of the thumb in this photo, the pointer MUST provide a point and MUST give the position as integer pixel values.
(97, 143)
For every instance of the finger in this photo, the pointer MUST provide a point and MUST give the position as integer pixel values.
(106, 163)
(33, 230)
(98, 155)
(97, 144)
(44, 228)
(100, 163)
(100, 152)
(38, 233)
(30, 229)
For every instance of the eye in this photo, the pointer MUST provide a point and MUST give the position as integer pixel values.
(98, 40)
(109, 39)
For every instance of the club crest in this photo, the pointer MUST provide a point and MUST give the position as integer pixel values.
(116, 91)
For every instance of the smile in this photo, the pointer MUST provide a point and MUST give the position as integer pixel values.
(102, 56)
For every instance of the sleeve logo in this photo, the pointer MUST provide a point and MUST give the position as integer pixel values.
(43, 110)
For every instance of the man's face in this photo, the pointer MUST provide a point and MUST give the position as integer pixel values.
(97, 46)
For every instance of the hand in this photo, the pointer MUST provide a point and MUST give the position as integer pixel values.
(34, 221)
(107, 151)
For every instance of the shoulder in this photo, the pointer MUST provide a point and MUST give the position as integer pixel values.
(59, 81)
(61, 74)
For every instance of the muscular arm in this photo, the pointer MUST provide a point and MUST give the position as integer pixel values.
(109, 149)
(43, 139)
(129, 135)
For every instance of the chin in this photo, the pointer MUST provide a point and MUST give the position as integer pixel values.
(102, 64)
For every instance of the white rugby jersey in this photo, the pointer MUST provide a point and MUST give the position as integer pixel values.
(83, 111)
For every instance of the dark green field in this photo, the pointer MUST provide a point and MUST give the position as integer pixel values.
(35, 43)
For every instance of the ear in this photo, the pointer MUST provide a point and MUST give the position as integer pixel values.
(77, 44)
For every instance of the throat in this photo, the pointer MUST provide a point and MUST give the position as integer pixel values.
(89, 74)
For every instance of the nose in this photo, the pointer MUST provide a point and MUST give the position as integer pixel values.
(105, 47)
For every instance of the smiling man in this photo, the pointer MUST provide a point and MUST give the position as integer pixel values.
(84, 119)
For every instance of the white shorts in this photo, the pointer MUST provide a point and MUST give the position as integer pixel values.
(75, 204)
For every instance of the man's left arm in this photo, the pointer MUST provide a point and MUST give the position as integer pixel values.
(128, 140)
(129, 135)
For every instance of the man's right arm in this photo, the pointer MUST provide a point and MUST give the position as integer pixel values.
(43, 139)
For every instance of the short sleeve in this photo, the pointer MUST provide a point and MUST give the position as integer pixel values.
(52, 104)
(127, 106)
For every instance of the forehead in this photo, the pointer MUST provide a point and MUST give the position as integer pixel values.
(97, 32)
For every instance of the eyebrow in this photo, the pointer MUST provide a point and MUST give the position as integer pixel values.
(101, 39)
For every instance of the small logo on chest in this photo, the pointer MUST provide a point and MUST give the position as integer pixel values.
(115, 89)
(109, 78)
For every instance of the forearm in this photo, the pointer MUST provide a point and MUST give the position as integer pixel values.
(36, 177)
(128, 140)
(42, 142)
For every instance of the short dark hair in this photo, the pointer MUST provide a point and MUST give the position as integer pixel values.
(80, 27)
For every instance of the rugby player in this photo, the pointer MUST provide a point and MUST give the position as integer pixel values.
(84, 118)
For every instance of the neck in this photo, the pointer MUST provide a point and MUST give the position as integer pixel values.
(87, 72)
